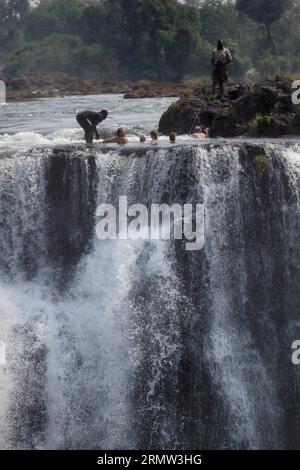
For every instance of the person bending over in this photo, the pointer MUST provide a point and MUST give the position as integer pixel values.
(120, 138)
(89, 121)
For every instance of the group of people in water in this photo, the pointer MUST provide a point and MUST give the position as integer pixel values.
(199, 133)
(89, 120)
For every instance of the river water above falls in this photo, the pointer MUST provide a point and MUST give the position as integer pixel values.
(123, 344)
(52, 120)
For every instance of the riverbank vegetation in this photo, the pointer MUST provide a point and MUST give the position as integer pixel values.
(138, 39)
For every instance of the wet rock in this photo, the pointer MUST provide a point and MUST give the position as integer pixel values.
(131, 96)
(261, 109)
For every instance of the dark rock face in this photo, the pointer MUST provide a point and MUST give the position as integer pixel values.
(263, 109)
(71, 204)
(54, 223)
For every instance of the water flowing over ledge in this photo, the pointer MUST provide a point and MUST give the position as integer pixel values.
(133, 344)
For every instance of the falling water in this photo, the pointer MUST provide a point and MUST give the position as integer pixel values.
(140, 344)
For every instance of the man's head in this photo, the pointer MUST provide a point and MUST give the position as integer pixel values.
(143, 139)
(197, 129)
(121, 132)
(220, 45)
(104, 113)
(173, 137)
(154, 135)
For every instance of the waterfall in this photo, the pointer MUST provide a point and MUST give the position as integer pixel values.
(133, 344)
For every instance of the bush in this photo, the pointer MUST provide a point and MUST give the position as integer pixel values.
(269, 65)
(261, 124)
(145, 85)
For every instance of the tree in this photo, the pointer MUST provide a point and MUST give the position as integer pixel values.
(55, 16)
(219, 20)
(152, 30)
(266, 12)
(17, 8)
(184, 45)
(12, 13)
(40, 23)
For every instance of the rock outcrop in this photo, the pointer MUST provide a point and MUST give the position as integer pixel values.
(261, 109)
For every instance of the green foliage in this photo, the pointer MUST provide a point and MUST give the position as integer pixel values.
(266, 12)
(219, 19)
(138, 39)
(145, 85)
(160, 37)
(241, 63)
(41, 23)
(263, 11)
(270, 65)
(55, 16)
(261, 124)
(141, 39)
(58, 52)
(12, 14)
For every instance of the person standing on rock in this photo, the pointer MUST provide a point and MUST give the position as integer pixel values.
(221, 58)
(89, 121)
